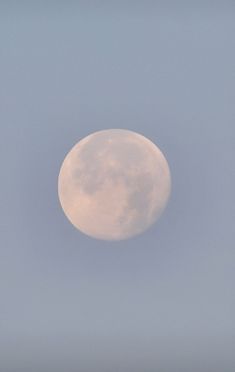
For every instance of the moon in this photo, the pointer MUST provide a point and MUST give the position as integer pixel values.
(114, 184)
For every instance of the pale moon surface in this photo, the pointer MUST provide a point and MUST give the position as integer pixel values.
(114, 184)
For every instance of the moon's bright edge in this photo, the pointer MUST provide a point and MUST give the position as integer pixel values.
(114, 184)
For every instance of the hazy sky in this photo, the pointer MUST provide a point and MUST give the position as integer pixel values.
(163, 301)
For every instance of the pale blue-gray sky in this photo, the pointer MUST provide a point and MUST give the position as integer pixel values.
(163, 301)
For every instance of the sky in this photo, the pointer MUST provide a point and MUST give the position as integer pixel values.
(162, 301)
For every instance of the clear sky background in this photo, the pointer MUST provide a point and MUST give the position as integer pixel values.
(160, 302)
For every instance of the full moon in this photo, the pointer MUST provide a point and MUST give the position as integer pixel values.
(114, 184)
